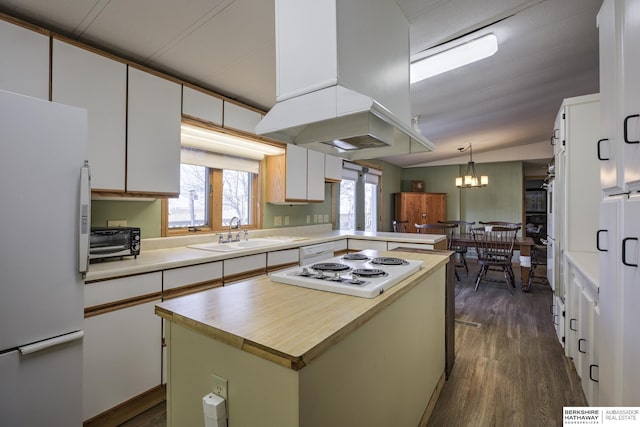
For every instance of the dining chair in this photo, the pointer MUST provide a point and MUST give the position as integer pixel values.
(501, 223)
(400, 226)
(440, 228)
(495, 250)
(463, 228)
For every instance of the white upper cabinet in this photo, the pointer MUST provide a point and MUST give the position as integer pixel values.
(240, 118)
(201, 106)
(153, 134)
(25, 61)
(619, 149)
(630, 90)
(85, 79)
(315, 176)
(332, 168)
(296, 176)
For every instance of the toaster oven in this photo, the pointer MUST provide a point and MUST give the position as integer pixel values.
(109, 242)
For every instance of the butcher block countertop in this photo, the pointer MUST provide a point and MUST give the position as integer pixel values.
(288, 325)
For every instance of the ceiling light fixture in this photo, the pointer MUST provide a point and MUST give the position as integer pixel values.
(223, 143)
(424, 67)
(470, 178)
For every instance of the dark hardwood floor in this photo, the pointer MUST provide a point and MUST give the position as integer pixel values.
(510, 369)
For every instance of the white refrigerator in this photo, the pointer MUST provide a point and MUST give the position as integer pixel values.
(44, 235)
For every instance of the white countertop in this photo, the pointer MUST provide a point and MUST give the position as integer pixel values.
(173, 256)
(588, 263)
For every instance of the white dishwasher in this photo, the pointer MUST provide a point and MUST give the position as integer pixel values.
(315, 253)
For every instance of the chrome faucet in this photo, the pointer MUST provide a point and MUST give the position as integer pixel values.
(230, 237)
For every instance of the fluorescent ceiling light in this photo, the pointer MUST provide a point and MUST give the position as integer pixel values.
(219, 142)
(454, 57)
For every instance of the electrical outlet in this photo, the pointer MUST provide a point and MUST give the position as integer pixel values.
(277, 220)
(308, 219)
(219, 386)
(315, 218)
(286, 220)
(116, 223)
(325, 218)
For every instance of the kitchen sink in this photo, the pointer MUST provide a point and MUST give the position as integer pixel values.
(237, 246)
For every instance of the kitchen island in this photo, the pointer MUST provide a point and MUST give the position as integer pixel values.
(301, 357)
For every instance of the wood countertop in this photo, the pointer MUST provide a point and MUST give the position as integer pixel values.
(288, 325)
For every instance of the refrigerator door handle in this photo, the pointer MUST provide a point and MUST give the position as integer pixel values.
(85, 218)
(43, 345)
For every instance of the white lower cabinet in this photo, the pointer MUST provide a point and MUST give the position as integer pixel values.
(235, 269)
(559, 319)
(122, 343)
(583, 314)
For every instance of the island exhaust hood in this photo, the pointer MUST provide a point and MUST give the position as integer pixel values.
(342, 79)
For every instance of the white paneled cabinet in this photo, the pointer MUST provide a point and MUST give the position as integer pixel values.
(296, 176)
(202, 106)
(618, 316)
(24, 67)
(122, 343)
(85, 79)
(153, 134)
(332, 168)
(240, 118)
(630, 301)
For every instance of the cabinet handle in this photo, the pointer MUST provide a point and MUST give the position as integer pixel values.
(626, 129)
(554, 137)
(571, 325)
(598, 241)
(599, 152)
(580, 341)
(554, 319)
(591, 373)
(551, 308)
(624, 251)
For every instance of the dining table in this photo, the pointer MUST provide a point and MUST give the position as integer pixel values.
(522, 244)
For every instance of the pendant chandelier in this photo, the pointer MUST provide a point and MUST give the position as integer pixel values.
(471, 178)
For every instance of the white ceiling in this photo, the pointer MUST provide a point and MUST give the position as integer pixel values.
(548, 50)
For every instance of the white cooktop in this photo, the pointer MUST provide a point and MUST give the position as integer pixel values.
(366, 278)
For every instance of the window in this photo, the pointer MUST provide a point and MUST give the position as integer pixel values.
(358, 178)
(218, 181)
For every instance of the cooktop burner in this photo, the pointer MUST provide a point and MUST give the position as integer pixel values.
(330, 266)
(355, 257)
(369, 272)
(389, 261)
(360, 277)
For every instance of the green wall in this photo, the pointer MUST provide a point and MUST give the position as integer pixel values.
(138, 213)
(501, 200)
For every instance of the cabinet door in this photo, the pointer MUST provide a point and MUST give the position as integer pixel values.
(25, 61)
(630, 297)
(122, 356)
(315, 176)
(629, 91)
(201, 106)
(332, 168)
(435, 208)
(85, 79)
(575, 328)
(240, 118)
(609, 344)
(153, 134)
(587, 346)
(236, 269)
(609, 145)
(559, 318)
(296, 173)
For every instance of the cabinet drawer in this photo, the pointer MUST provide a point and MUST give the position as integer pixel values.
(246, 266)
(286, 256)
(359, 245)
(191, 275)
(109, 291)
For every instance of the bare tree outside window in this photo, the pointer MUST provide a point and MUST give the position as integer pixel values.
(236, 193)
(190, 208)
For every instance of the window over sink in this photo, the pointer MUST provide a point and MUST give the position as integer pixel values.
(219, 176)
